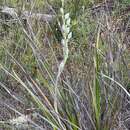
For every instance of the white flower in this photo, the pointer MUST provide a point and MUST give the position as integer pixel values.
(63, 42)
(67, 16)
(67, 30)
(68, 22)
(70, 35)
(63, 27)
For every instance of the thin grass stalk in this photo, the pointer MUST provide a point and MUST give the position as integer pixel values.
(41, 106)
(95, 91)
(66, 36)
(33, 82)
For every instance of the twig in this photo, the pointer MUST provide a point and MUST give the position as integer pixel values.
(26, 14)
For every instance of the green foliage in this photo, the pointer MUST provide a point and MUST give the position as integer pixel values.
(66, 90)
(127, 1)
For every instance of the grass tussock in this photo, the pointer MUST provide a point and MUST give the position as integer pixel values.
(64, 65)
